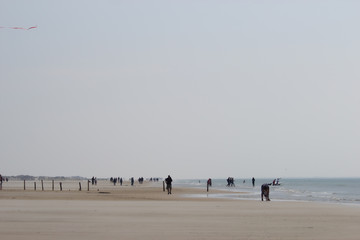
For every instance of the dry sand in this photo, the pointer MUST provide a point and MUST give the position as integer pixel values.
(146, 212)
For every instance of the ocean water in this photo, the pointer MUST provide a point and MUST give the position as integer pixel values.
(330, 190)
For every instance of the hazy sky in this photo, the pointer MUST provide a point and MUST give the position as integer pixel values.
(194, 89)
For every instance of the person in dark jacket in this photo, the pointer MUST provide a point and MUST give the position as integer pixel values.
(168, 182)
(265, 191)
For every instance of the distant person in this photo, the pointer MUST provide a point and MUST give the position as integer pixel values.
(253, 182)
(93, 180)
(265, 192)
(209, 182)
(230, 182)
(132, 181)
(168, 182)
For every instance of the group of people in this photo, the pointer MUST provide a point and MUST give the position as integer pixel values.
(230, 182)
(154, 179)
(276, 182)
(132, 180)
(116, 180)
(119, 180)
(94, 180)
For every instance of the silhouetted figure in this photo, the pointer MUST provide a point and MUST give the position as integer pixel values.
(253, 182)
(93, 180)
(230, 182)
(168, 182)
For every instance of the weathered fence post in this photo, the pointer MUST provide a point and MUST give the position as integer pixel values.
(34, 186)
(79, 186)
(60, 186)
(42, 185)
(53, 185)
(24, 185)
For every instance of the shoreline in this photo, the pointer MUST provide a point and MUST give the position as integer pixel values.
(145, 191)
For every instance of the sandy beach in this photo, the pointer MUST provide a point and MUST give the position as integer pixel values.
(146, 212)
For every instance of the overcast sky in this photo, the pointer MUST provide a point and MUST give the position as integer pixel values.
(194, 89)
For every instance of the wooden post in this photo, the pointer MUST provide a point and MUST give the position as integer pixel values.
(79, 186)
(42, 185)
(34, 186)
(24, 185)
(88, 185)
(60, 186)
(53, 185)
(164, 186)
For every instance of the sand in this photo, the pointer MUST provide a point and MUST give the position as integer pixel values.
(146, 212)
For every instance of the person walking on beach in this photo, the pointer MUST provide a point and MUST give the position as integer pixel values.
(253, 182)
(168, 182)
(265, 191)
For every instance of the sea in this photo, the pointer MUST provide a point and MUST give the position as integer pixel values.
(328, 190)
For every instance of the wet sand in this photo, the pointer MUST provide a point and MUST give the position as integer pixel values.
(146, 212)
